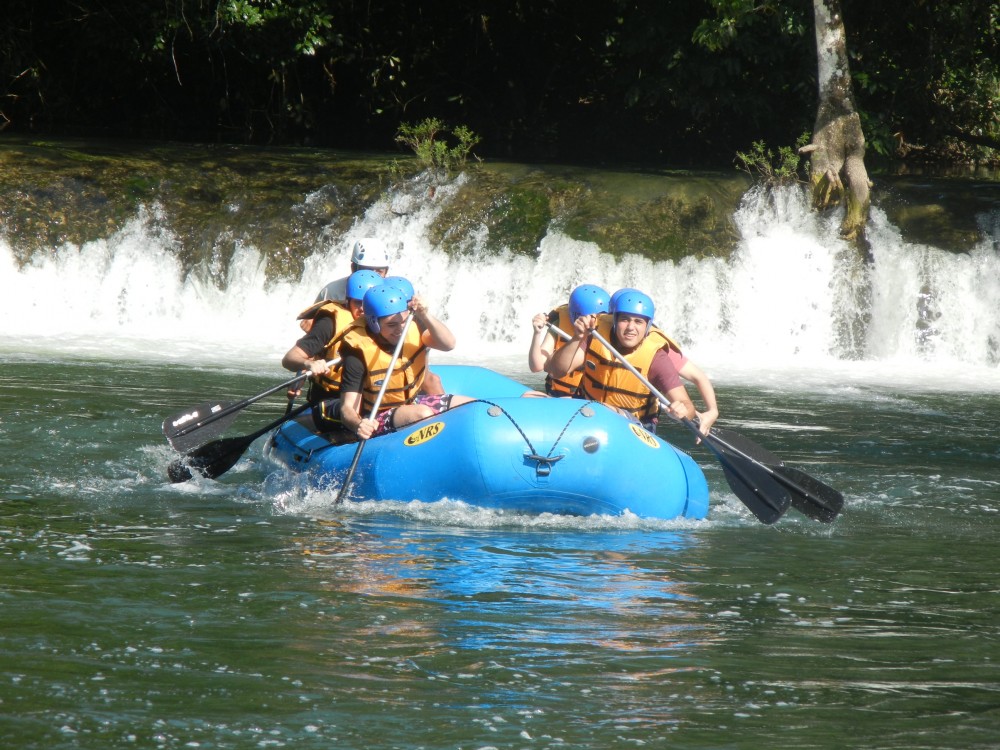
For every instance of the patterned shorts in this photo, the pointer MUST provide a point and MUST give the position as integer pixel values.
(438, 402)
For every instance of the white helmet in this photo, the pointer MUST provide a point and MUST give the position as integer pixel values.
(370, 253)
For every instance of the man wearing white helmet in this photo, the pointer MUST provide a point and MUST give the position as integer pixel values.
(369, 253)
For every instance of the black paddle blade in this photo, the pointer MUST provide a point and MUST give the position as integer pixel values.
(177, 471)
(196, 426)
(810, 496)
(187, 429)
(215, 459)
(756, 489)
(210, 461)
(752, 483)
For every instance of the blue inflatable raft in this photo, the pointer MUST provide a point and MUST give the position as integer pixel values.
(530, 455)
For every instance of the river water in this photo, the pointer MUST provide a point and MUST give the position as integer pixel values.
(250, 613)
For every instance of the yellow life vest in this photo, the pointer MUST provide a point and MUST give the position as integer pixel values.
(653, 329)
(406, 377)
(608, 381)
(568, 383)
(343, 321)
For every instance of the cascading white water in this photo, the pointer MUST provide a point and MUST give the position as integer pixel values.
(794, 303)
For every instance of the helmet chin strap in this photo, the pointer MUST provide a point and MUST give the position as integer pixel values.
(376, 327)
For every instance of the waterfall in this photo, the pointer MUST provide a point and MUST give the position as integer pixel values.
(793, 303)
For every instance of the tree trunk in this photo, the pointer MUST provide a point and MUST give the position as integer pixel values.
(837, 151)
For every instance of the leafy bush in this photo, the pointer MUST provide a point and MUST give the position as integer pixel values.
(427, 141)
(764, 165)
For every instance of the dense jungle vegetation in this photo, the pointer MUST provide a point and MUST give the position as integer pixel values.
(681, 83)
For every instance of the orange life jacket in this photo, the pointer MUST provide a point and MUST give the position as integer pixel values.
(568, 383)
(406, 377)
(608, 381)
(343, 320)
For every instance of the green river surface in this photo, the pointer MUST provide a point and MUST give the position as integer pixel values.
(244, 613)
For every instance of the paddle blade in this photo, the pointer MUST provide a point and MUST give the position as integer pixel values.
(810, 496)
(214, 459)
(178, 471)
(756, 489)
(210, 461)
(196, 426)
(193, 427)
(751, 482)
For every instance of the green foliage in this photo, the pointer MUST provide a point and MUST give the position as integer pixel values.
(764, 165)
(969, 100)
(721, 68)
(678, 83)
(929, 77)
(715, 34)
(306, 24)
(427, 140)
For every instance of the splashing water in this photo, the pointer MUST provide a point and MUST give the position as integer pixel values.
(793, 304)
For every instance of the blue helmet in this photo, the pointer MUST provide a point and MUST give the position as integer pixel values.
(402, 284)
(587, 299)
(360, 282)
(380, 301)
(617, 295)
(634, 302)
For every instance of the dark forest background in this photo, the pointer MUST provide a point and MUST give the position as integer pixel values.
(655, 81)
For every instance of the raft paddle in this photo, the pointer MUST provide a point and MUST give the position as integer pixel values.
(197, 425)
(773, 485)
(216, 458)
(345, 488)
(810, 496)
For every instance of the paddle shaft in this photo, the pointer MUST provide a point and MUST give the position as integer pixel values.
(172, 422)
(345, 488)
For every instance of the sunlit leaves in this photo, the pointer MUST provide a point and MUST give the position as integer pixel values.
(429, 142)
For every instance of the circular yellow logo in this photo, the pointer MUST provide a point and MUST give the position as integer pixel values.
(644, 436)
(425, 433)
